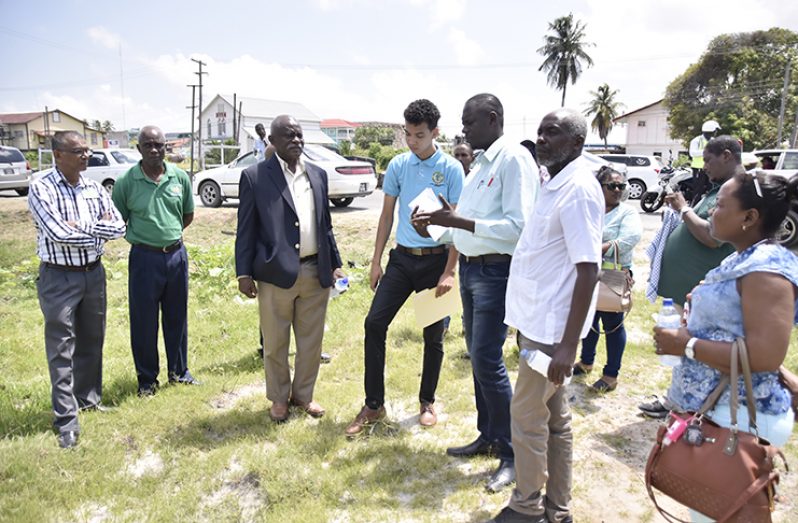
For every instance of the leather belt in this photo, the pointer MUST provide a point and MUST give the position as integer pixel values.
(421, 251)
(169, 248)
(486, 259)
(311, 258)
(74, 268)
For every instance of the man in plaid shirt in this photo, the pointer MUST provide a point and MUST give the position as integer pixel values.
(74, 217)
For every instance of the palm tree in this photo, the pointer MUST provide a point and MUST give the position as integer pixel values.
(564, 52)
(604, 106)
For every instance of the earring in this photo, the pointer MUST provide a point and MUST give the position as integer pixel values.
(745, 227)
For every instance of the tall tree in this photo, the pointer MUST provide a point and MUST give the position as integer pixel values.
(108, 126)
(605, 108)
(565, 52)
(738, 81)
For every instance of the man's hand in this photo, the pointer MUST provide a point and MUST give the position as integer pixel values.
(445, 284)
(445, 216)
(375, 275)
(562, 362)
(338, 274)
(676, 201)
(420, 225)
(247, 287)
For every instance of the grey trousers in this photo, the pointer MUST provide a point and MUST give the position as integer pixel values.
(73, 305)
(542, 441)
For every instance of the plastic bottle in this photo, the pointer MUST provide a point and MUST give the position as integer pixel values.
(539, 362)
(340, 286)
(669, 318)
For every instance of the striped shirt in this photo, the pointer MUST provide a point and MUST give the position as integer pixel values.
(53, 202)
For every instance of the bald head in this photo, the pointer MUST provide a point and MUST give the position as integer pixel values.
(150, 131)
(286, 136)
(152, 146)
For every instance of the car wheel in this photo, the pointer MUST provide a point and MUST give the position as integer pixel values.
(210, 195)
(22, 192)
(109, 186)
(342, 202)
(636, 189)
(787, 235)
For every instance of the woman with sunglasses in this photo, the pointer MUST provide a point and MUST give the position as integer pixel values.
(752, 294)
(622, 230)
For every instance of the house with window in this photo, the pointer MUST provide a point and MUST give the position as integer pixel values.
(648, 133)
(31, 131)
(339, 130)
(220, 119)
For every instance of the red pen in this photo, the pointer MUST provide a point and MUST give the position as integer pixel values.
(490, 181)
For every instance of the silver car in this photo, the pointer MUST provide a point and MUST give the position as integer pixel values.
(14, 170)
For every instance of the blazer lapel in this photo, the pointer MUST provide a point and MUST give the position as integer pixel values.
(275, 173)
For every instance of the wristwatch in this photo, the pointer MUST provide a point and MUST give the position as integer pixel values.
(689, 349)
(684, 210)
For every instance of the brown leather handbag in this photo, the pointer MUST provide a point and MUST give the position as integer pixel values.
(724, 473)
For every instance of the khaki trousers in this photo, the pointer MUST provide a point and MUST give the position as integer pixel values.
(542, 441)
(304, 307)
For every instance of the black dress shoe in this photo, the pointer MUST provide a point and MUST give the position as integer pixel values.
(99, 407)
(502, 477)
(147, 390)
(68, 439)
(478, 447)
(508, 515)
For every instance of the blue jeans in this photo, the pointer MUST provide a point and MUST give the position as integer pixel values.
(482, 289)
(612, 323)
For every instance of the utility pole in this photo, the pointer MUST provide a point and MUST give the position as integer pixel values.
(199, 132)
(784, 99)
(192, 107)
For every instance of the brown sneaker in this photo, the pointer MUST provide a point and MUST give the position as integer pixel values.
(367, 416)
(427, 417)
(311, 408)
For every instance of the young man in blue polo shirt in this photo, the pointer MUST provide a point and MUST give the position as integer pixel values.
(415, 264)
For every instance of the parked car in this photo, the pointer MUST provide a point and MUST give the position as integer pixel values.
(346, 179)
(106, 165)
(642, 171)
(14, 170)
(597, 162)
(783, 162)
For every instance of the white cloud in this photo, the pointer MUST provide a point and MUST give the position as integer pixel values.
(466, 50)
(441, 12)
(104, 37)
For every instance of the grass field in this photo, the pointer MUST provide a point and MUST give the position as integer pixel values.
(210, 453)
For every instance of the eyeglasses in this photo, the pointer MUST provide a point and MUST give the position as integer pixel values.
(615, 186)
(78, 151)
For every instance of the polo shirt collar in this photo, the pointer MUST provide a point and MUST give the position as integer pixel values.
(415, 160)
(139, 172)
(491, 152)
(565, 175)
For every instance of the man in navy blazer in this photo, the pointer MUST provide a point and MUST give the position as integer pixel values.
(286, 255)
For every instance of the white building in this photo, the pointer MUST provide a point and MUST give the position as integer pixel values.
(217, 119)
(648, 133)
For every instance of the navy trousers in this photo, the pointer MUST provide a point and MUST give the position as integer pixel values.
(158, 282)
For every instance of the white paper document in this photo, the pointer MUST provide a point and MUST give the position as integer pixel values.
(430, 309)
(427, 201)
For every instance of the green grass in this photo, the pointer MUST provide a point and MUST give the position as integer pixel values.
(210, 453)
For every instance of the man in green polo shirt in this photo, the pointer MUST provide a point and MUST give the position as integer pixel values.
(156, 201)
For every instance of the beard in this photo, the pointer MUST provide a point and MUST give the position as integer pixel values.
(557, 157)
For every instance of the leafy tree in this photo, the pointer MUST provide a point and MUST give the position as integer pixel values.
(367, 135)
(738, 82)
(345, 147)
(96, 124)
(564, 51)
(605, 109)
(107, 126)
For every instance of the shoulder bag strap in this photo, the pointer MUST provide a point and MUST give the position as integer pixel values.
(742, 353)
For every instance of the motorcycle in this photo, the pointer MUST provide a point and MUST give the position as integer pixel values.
(670, 180)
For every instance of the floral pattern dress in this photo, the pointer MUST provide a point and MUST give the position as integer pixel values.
(716, 314)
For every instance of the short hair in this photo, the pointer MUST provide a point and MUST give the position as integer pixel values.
(465, 144)
(574, 123)
(58, 141)
(605, 171)
(489, 102)
(777, 195)
(259, 125)
(725, 142)
(422, 111)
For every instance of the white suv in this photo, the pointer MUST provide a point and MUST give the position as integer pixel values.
(14, 170)
(642, 171)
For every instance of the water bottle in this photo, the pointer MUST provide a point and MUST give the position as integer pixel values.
(340, 286)
(539, 362)
(668, 318)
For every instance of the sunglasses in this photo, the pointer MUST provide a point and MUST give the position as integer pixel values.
(615, 186)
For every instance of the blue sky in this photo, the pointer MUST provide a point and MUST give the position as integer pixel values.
(351, 59)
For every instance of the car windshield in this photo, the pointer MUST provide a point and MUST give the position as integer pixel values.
(246, 160)
(11, 156)
(126, 156)
(318, 153)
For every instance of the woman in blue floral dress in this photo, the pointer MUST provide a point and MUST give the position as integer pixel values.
(752, 294)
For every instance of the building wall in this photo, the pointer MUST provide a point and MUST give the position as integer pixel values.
(19, 138)
(648, 133)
